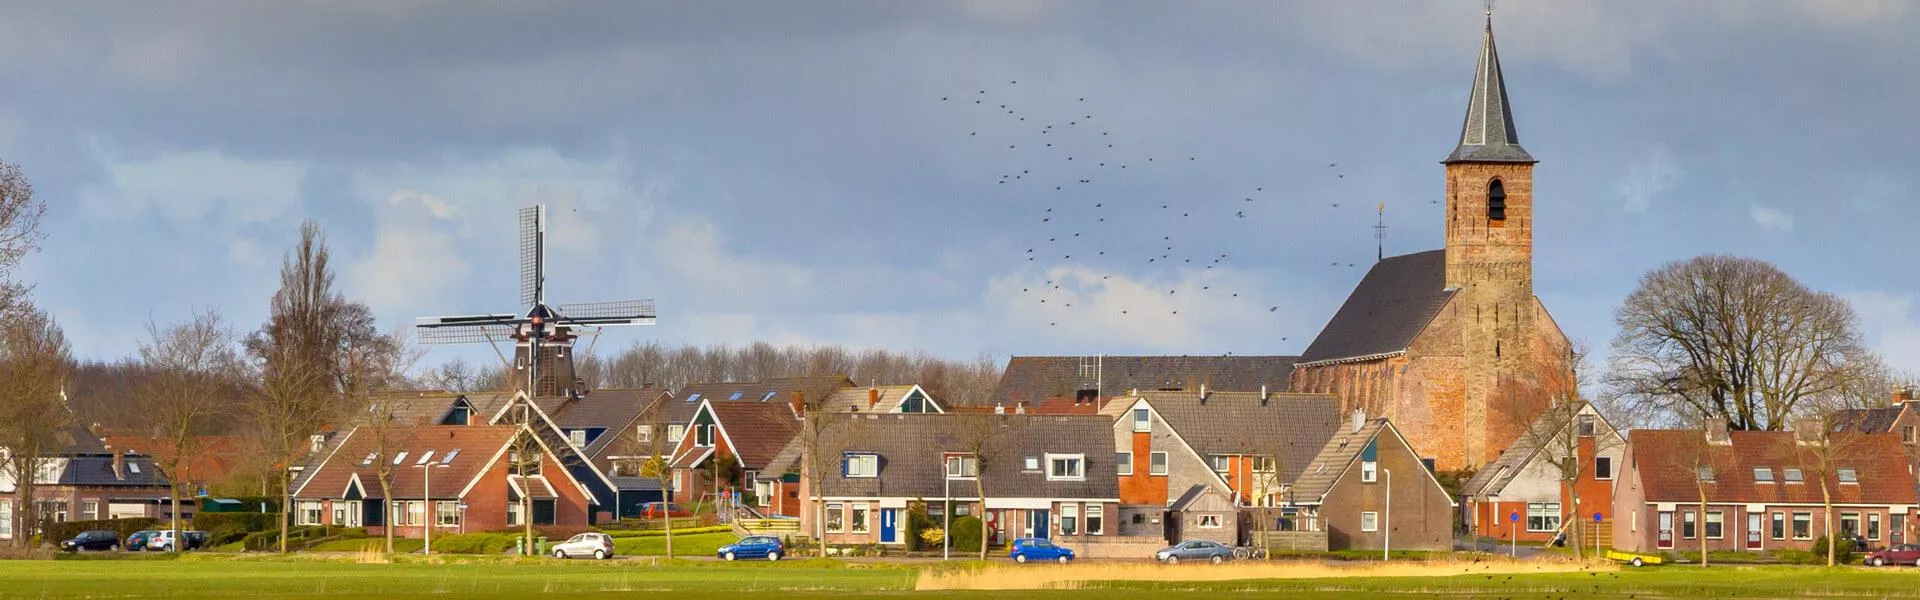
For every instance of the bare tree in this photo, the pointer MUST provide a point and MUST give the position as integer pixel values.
(376, 370)
(981, 437)
(525, 458)
(818, 434)
(1733, 338)
(34, 359)
(193, 365)
(656, 464)
(1826, 442)
(19, 231)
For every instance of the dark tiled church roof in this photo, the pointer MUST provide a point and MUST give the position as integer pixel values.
(1396, 300)
(1032, 379)
(1487, 134)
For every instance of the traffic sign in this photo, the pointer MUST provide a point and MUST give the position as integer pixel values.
(1596, 517)
(1515, 517)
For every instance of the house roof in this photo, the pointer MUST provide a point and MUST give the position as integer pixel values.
(1487, 134)
(911, 451)
(756, 431)
(211, 462)
(1867, 420)
(685, 400)
(477, 446)
(1291, 427)
(890, 396)
(615, 410)
(96, 470)
(1033, 379)
(1334, 459)
(1192, 495)
(74, 440)
(1390, 307)
(1665, 461)
(787, 460)
(1545, 430)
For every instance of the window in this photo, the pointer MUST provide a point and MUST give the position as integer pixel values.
(859, 518)
(1142, 420)
(861, 465)
(424, 458)
(1603, 467)
(1069, 519)
(1123, 462)
(1369, 471)
(1584, 425)
(6, 518)
(1794, 476)
(447, 459)
(1543, 516)
(675, 433)
(446, 513)
(1803, 526)
(1139, 518)
(513, 513)
(400, 458)
(1849, 475)
(1849, 524)
(309, 513)
(1716, 521)
(643, 434)
(694, 397)
(1033, 463)
(1213, 521)
(368, 461)
(1066, 466)
(1369, 521)
(1762, 475)
(767, 397)
(703, 435)
(1689, 524)
(1096, 519)
(1704, 473)
(1873, 526)
(578, 437)
(836, 518)
(1157, 463)
(963, 466)
(1909, 435)
(1779, 526)
(90, 510)
(1221, 462)
(736, 396)
(1496, 202)
(1666, 529)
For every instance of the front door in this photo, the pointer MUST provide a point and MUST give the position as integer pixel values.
(1753, 531)
(993, 524)
(1666, 529)
(1038, 524)
(889, 525)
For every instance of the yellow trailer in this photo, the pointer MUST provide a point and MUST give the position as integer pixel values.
(1638, 560)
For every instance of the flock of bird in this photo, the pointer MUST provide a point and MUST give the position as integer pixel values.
(1084, 177)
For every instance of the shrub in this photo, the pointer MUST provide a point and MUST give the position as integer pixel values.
(59, 532)
(917, 524)
(243, 521)
(966, 534)
(1843, 554)
(475, 543)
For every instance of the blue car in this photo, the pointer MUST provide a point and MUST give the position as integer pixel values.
(753, 546)
(1028, 549)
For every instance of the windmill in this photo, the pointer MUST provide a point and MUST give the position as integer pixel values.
(543, 335)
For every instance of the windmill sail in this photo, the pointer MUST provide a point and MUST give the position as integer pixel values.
(533, 265)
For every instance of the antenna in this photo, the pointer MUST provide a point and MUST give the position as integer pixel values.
(1489, 9)
(1380, 229)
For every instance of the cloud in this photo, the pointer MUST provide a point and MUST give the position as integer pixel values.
(1653, 174)
(414, 254)
(1892, 327)
(194, 186)
(1771, 220)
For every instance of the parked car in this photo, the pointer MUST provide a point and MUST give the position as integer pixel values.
(655, 510)
(753, 546)
(138, 541)
(1028, 549)
(161, 541)
(99, 539)
(1194, 550)
(1904, 554)
(597, 545)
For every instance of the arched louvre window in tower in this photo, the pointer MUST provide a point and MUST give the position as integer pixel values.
(1496, 202)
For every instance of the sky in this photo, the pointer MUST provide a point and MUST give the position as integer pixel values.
(820, 173)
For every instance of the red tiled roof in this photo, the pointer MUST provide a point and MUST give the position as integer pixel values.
(211, 463)
(758, 431)
(476, 445)
(1666, 461)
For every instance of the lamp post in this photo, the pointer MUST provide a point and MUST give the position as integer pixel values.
(946, 521)
(428, 511)
(1493, 514)
(1386, 546)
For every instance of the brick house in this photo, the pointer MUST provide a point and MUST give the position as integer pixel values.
(1524, 492)
(1248, 445)
(738, 438)
(1045, 476)
(675, 414)
(1452, 344)
(458, 478)
(211, 463)
(1898, 416)
(1762, 489)
(1368, 489)
(83, 479)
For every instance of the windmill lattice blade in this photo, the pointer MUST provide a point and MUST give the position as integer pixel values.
(596, 311)
(464, 320)
(465, 334)
(531, 232)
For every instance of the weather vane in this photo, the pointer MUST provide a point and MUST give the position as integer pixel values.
(1489, 8)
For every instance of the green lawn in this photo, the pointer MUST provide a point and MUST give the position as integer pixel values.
(275, 577)
(698, 544)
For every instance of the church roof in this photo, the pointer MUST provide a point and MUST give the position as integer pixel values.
(1033, 379)
(1392, 304)
(1488, 135)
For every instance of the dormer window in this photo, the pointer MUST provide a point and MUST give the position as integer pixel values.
(1496, 202)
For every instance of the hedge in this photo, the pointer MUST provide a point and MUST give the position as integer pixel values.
(248, 522)
(59, 532)
(269, 541)
(475, 543)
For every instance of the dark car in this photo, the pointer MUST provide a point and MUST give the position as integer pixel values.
(1904, 554)
(1210, 551)
(1030, 549)
(138, 541)
(753, 546)
(664, 509)
(101, 539)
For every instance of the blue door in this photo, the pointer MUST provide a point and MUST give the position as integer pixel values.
(889, 525)
(1037, 520)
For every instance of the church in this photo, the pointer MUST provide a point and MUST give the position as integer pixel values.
(1450, 344)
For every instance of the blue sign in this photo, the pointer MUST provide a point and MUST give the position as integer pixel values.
(1596, 517)
(1515, 517)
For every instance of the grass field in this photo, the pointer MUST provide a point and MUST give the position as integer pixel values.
(274, 577)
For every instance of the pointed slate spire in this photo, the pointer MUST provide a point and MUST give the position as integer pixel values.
(1488, 134)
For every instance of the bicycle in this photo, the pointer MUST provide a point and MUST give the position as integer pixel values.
(1249, 552)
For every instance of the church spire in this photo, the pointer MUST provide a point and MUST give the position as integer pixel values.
(1488, 134)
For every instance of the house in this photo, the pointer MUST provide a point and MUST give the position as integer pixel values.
(1204, 512)
(211, 462)
(1898, 416)
(1525, 494)
(1250, 446)
(1368, 489)
(83, 480)
(1046, 380)
(907, 399)
(609, 428)
(675, 415)
(1043, 476)
(456, 478)
(1761, 490)
(735, 440)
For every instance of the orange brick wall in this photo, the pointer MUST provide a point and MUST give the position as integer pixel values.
(1140, 487)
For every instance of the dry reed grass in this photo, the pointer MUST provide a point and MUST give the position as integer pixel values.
(1037, 577)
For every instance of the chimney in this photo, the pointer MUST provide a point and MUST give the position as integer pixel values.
(1020, 408)
(1203, 392)
(95, 428)
(1810, 431)
(1263, 394)
(1716, 432)
(999, 409)
(873, 397)
(799, 403)
(1359, 419)
(119, 464)
(1903, 395)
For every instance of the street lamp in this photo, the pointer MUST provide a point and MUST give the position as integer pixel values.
(429, 512)
(1386, 546)
(946, 519)
(1493, 513)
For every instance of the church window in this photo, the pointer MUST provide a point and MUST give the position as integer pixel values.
(1496, 202)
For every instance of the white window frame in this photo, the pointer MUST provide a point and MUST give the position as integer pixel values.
(643, 433)
(1157, 463)
(6, 519)
(1220, 463)
(1769, 475)
(90, 510)
(1369, 522)
(1032, 463)
(1547, 512)
(962, 466)
(1096, 519)
(513, 513)
(1596, 468)
(859, 518)
(863, 466)
(1714, 518)
(1123, 463)
(578, 437)
(309, 512)
(1793, 476)
(1209, 522)
(1069, 519)
(763, 492)
(1794, 521)
(1142, 420)
(1369, 471)
(675, 433)
(446, 513)
(1078, 472)
(704, 436)
(1847, 476)
(836, 525)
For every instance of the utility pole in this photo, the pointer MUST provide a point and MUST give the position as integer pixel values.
(1386, 547)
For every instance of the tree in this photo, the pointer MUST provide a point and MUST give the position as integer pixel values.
(19, 231)
(1732, 338)
(192, 367)
(34, 359)
(525, 458)
(376, 370)
(818, 434)
(657, 465)
(981, 436)
(1826, 441)
(1559, 432)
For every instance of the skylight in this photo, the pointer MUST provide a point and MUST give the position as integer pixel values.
(400, 458)
(133, 467)
(767, 397)
(1763, 474)
(424, 458)
(736, 396)
(448, 459)
(369, 459)
(1849, 476)
(694, 397)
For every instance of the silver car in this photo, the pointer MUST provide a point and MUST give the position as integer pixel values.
(1209, 551)
(597, 545)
